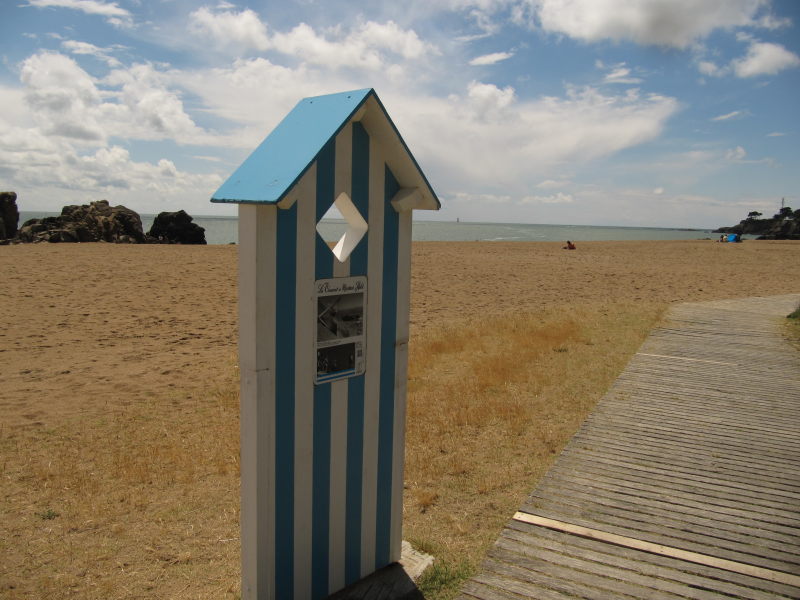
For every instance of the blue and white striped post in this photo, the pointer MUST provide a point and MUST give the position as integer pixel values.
(322, 447)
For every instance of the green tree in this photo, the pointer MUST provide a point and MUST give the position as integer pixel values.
(753, 215)
(783, 213)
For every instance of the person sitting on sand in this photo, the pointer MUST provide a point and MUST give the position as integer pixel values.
(569, 246)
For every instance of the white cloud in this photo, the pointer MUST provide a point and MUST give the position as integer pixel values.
(389, 36)
(676, 23)
(709, 68)
(490, 59)
(776, 134)
(494, 139)
(727, 116)
(659, 191)
(770, 21)
(549, 184)
(63, 97)
(764, 58)
(488, 100)
(40, 161)
(467, 197)
(558, 198)
(147, 109)
(238, 93)
(229, 29)
(132, 103)
(113, 13)
(367, 45)
(621, 74)
(85, 48)
(735, 154)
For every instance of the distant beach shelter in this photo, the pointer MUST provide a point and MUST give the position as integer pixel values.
(323, 345)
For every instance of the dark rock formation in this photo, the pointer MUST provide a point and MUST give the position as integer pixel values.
(782, 230)
(176, 228)
(94, 222)
(9, 215)
(776, 228)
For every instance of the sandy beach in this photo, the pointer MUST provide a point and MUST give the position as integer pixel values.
(93, 334)
(95, 326)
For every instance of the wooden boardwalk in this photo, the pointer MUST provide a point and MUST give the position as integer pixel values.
(685, 480)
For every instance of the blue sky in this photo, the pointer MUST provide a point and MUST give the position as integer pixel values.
(664, 113)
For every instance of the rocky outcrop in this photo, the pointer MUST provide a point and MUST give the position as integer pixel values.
(93, 222)
(9, 215)
(176, 228)
(782, 230)
(777, 228)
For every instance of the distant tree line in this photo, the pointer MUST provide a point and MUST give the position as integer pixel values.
(783, 225)
(784, 213)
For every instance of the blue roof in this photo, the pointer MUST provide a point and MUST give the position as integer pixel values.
(271, 171)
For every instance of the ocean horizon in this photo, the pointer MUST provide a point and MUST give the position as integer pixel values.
(224, 230)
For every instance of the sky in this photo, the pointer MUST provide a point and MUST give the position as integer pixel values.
(656, 113)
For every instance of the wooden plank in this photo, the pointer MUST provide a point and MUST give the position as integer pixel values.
(739, 521)
(715, 541)
(666, 514)
(712, 561)
(622, 428)
(684, 470)
(784, 470)
(720, 488)
(567, 580)
(777, 515)
(638, 562)
(498, 582)
(510, 550)
(678, 568)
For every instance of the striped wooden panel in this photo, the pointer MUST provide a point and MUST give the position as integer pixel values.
(323, 460)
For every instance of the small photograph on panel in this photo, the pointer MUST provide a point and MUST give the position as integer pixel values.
(340, 316)
(336, 360)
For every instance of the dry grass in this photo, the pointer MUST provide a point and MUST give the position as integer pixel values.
(491, 403)
(142, 503)
(120, 478)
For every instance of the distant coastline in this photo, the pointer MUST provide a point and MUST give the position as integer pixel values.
(224, 230)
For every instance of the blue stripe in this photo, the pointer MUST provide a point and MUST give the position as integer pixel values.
(337, 375)
(321, 494)
(320, 528)
(355, 455)
(383, 512)
(286, 273)
(355, 389)
(360, 196)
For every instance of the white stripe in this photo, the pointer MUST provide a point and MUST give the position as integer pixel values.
(400, 380)
(343, 165)
(257, 237)
(372, 380)
(336, 540)
(339, 390)
(305, 370)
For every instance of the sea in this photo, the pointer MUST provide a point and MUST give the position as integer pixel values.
(223, 230)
